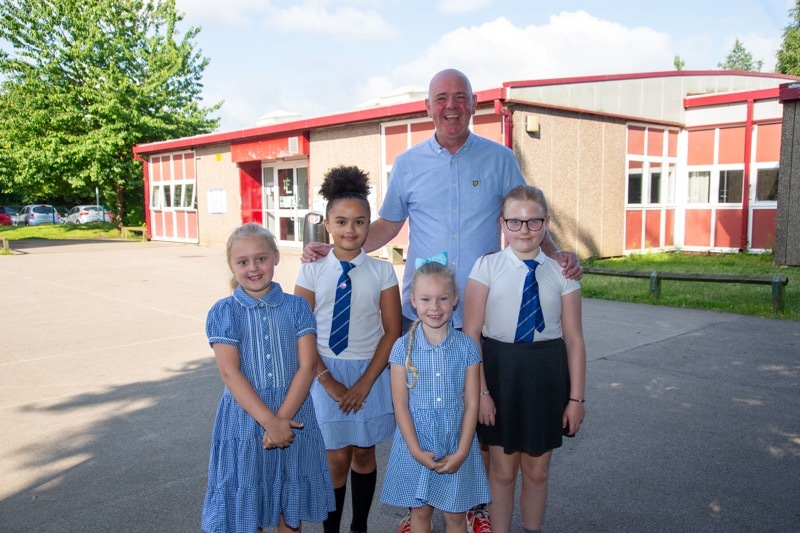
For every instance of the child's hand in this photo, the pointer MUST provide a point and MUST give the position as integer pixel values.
(426, 459)
(279, 433)
(486, 410)
(334, 389)
(573, 417)
(354, 398)
(449, 464)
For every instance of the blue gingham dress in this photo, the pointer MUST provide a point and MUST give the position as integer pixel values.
(436, 405)
(250, 487)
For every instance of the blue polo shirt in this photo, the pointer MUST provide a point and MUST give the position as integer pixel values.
(452, 203)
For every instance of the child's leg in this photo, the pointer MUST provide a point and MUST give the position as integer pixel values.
(283, 528)
(339, 465)
(363, 476)
(502, 481)
(421, 519)
(455, 522)
(533, 496)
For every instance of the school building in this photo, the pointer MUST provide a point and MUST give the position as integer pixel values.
(685, 160)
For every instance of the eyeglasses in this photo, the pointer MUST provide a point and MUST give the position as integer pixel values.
(515, 224)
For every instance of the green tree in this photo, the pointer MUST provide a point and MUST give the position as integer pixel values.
(789, 52)
(83, 81)
(679, 62)
(741, 59)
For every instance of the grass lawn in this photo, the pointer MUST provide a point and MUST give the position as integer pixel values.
(739, 298)
(96, 230)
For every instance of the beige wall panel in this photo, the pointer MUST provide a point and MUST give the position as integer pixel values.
(579, 162)
(215, 170)
(358, 145)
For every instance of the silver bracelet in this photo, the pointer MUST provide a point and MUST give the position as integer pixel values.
(485, 393)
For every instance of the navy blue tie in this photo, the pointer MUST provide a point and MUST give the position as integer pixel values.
(340, 325)
(530, 311)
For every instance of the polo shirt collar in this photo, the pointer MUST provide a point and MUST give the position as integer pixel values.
(438, 148)
(357, 260)
(518, 263)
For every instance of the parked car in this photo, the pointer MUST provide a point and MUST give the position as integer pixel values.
(82, 214)
(63, 212)
(37, 214)
(8, 215)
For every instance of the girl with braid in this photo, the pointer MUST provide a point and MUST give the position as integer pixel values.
(435, 462)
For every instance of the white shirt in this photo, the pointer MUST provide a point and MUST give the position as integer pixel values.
(504, 273)
(368, 279)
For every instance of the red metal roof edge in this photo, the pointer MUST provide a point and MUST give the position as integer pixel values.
(642, 75)
(296, 126)
(703, 100)
(582, 111)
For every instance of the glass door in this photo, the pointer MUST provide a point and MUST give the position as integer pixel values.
(286, 201)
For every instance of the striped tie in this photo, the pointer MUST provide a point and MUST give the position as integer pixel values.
(530, 311)
(340, 325)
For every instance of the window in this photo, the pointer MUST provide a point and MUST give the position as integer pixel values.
(699, 183)
(655, 185)
(635, 182)
(671, 184)
(767, 185)
(173, 196)
(730, 186)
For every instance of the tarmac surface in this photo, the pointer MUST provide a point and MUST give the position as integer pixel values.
(108, 390)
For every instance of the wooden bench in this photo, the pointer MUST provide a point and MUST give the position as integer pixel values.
(778, 282)
(128, 230)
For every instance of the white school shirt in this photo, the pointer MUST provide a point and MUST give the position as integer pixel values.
(368, 279)
(504, 273)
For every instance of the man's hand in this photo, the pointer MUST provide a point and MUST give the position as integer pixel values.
(570, 263)
(314, 251)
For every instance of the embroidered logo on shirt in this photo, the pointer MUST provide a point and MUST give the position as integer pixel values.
(474, 183)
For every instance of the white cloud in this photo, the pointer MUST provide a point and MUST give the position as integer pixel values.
(345, 23)
(462, 6)
(570, 44)
(234, 13)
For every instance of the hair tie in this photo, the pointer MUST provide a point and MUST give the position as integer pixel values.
(438, 258)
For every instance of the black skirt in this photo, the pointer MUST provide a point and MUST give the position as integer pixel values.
(529, 383)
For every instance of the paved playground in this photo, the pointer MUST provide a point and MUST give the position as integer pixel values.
(108, 390)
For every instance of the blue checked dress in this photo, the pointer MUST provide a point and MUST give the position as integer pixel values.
(250, 487)
(436, 406)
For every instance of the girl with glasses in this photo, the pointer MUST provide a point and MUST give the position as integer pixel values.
(527, 317)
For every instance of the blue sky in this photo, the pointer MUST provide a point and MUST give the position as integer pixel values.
(317, 57)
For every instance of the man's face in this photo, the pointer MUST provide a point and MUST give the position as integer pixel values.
(450, 104)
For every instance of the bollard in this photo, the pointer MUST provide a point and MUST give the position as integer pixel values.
(313, 229)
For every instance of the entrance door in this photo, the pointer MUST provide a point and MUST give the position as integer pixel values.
(286, 201)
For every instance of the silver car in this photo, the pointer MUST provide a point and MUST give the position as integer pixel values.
(81, 214)
(37, 214)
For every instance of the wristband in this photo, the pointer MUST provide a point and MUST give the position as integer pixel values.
(485, 393)
(578, 400)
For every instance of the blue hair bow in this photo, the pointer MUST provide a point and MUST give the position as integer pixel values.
(438, 258)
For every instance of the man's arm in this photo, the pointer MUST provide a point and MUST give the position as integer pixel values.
(569, 261)
(381, 231)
